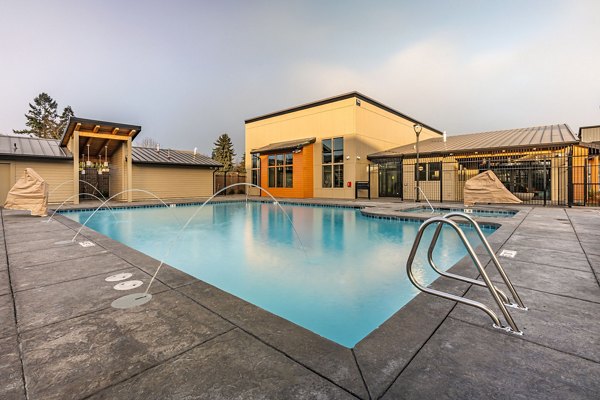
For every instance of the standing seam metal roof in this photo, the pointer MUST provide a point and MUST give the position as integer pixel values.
(146, 155)
(549, 135)
(32, 147)
(50, 148)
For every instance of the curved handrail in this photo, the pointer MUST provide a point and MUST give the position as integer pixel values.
(432, 264)
(426, 199)
(441, 220)
(519, 303)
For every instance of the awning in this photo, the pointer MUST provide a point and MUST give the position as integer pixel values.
(283, 146)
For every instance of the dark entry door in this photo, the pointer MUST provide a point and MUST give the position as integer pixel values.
(390, 179)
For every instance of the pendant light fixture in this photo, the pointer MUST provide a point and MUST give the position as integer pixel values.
(88, 163)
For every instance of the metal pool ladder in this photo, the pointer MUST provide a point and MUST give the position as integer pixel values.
(501, 299)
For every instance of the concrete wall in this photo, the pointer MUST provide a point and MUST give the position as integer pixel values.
(172, 182)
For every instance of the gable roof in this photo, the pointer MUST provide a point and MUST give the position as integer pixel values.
(537, 136)
(340, 97)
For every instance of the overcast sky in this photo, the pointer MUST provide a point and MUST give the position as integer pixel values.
(188, 71)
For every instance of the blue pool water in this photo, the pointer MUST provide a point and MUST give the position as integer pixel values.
(350, 277)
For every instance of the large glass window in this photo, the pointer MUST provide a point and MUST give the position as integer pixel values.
(428, 171)
(256, 169)
(333, 163)
(434, 170)
(281, 170)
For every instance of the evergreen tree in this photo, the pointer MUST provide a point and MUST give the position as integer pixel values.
(43, 120)
(241, 166)
(64, 120)
(223, 152)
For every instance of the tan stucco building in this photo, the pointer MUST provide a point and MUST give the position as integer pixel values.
(320, 149)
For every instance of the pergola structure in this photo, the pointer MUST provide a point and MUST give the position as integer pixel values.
(102, 139)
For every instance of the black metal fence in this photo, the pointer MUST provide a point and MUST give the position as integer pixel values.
(97, 183)
(560, 176)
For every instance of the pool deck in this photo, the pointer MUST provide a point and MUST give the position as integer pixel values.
(61, 339)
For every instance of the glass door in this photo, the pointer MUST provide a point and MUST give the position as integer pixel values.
(390, 179)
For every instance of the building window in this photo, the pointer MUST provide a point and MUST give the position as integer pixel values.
(434, 171)
(428, 171)
(333, 163)
(256, 169)
(281, 170)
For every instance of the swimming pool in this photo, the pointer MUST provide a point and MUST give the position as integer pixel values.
(476, 212)
(341, 276)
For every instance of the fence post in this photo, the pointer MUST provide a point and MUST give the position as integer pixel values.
(442, 181)
(545, 180)
(585, 181)
(570, 178)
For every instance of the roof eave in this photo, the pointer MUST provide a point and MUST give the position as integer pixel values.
(76, 120)
(467, 151)
(42, 157)
(171, 164)
(294, 146)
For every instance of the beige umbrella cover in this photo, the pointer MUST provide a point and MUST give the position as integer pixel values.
(487, 188)
(29, 193)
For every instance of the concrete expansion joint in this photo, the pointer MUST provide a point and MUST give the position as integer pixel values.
(14, 303)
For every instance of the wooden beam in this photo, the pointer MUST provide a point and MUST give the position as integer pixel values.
(132, 132)
(78, 126)
(129, 171)
(96, 129)
(115, 131)
(75, 152)
(103, 136)
(87, 141)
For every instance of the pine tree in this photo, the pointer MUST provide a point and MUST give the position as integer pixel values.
(43, 120)
(223, 152)
(64, 120)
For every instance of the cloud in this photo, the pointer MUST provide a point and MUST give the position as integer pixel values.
(547, 77)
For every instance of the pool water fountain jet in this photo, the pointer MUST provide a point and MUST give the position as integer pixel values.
(137, 299)
(78, 194)
(80, 181)
(112, 197)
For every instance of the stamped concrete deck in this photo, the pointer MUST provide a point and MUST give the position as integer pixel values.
(60, 339)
